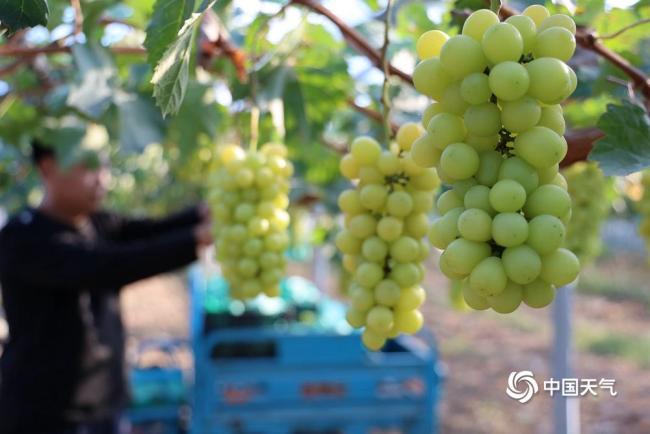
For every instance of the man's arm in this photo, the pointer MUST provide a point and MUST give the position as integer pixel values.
(59, 263)
(129, 229)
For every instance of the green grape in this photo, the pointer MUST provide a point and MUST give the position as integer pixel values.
(473, 299)
(558, 20)
(407, 134)
(361, 298)
(416, 225)
(479, 197)
(475, 225)
(373, 196)
(508, 300)
(350, 262)
(507, 196)
(538, 13)
(541, 147)
(254, 246)
(380, 319)
(247, 267)
(552, 117)
(365, 150)
(362, 225)
(527, 30)
(371, 340)
(560, 267)
(463, 255)
(509, 229)
(430, 43)
(405, 275)
(518, 170)
(555, 42)
(501, 43)
(538, 294)
(547, 174)
(453, 101)
(483, 120)
(356, 318)
(389, 228)
(444, 230)
(432, 109)
(482, 143)
(550, 80)
(509, 81)
(370, 175)
(519, 115)
(446, 128)
(460, 161)
(424, 251)
(475, 89)
(548, 199)
(399, 204)
(430, 78)
(427, 180)
(522, 264)
(422, 201)
(424, 151)
(347, 243)
(462, 187)
(411, 298)
(489, 277)
(448, 201)
(388, 163)
(368, 274)
(546, 234)
(405, 249)
(445, 269)
(478, 22)
(560, 181)
(408, 321)
(488, 170)
(461, 55)
(387, 293)
(373, 249)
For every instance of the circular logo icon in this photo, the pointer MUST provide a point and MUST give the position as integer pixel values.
(522, 386)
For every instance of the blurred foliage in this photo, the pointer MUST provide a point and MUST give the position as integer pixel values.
(301, 73)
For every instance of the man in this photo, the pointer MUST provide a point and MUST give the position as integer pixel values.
(61, 269)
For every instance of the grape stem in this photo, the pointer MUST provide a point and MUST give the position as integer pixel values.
(624, 29)
(385, 88)
(505, 137)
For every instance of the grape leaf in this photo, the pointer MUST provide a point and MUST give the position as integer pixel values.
(168, 17)
(626, 146)
(495, 5)
(93, 94)
(17, 14)
(140, 124)
(172, 72)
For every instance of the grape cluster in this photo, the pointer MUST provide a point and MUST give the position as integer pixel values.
(643, 207)
(249, 203)
(383, 241)
(495, 136)
(587, 187)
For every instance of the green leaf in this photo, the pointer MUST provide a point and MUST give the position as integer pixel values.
(626, 146)
(92, 11)
(93, 94)
(17, 14)
(140, 124)
(172, 72)
(168, 17)
(198, 115)
(495, 5)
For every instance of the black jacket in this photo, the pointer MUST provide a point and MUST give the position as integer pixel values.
(64, 361)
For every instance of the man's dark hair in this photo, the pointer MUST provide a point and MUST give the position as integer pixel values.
(40, 151)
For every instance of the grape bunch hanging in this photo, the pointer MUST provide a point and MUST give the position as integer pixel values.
(495, 136)
(249, 203)
(383, 241)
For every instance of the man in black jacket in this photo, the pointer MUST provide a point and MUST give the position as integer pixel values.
(61, 269)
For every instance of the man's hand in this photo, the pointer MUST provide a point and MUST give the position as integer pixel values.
(203, 235)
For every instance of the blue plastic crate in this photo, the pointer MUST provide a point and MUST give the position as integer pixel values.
(297, 379)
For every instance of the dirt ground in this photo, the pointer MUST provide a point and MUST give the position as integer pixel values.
(479, 350)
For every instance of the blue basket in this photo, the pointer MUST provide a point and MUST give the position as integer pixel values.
(291, 378)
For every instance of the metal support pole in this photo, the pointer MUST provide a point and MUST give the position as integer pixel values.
(566, 409)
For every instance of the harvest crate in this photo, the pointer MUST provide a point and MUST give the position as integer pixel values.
(291, 378)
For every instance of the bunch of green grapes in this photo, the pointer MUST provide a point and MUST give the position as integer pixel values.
(383, 243)
(249, 204)
(643, 207)
(587, 187)
(495, 136)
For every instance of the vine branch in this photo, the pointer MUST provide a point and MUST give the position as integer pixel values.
(385, 97)
(78, 17)
(354, 37)
(624, 29)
